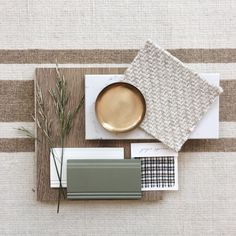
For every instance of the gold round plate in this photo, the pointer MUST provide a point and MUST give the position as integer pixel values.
(120, 107)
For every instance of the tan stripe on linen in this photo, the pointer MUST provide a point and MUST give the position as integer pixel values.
(17, 145)
(228, 101)
(209, 145)
(10, 129)
(83, 56)
(17, 99)
(227, 71)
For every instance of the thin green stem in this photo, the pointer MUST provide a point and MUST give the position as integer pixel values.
(58, 175)
(62, 159)
(60, 98)
(29, 134)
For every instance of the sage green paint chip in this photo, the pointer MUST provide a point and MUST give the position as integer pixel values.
(103, 179)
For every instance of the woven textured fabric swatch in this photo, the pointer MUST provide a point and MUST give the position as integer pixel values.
(158, 172)
(176, 98)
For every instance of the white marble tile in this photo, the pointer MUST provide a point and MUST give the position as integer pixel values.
(208, 127)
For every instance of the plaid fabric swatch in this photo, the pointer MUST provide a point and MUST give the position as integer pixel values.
(158, 172)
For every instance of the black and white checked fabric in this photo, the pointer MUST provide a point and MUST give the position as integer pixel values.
(158, 172)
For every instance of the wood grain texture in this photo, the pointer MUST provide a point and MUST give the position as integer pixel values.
(75, 82)
(85, 56)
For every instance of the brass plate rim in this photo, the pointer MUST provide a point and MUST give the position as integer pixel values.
(133, 88)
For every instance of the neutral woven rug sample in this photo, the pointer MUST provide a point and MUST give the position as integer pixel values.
(176, 98)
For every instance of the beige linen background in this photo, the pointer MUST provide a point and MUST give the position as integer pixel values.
(205, 203)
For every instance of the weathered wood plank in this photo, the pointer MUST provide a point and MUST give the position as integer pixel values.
(75, 81)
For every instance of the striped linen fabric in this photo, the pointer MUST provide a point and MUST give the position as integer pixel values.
(109, 34)
(198, 160)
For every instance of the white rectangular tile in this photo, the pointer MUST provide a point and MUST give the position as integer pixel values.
(208, 127)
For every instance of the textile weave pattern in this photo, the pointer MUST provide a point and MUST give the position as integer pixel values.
(176, 98)
(158, 172)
